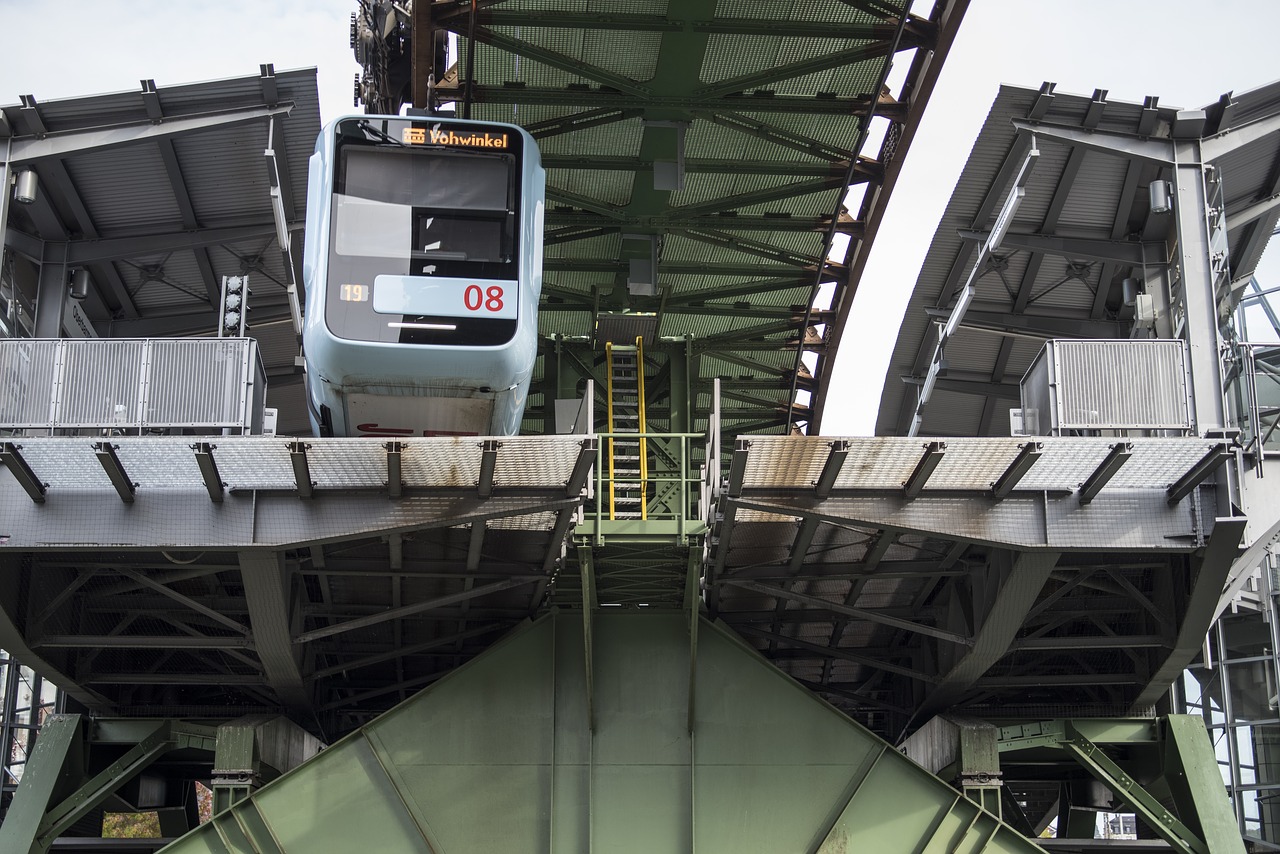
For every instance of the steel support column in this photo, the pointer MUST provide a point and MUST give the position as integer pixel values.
(1194, 778)
(49, 773)
(1018, 585)
(1211, 571)
(268, 594)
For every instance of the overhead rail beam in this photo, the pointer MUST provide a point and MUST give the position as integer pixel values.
(992, 244)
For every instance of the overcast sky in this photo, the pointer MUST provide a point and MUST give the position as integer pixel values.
(1188, 52)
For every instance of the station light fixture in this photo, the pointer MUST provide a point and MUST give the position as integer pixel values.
(235, 295)
(25, 187)
(1161, 196)
(80, 284)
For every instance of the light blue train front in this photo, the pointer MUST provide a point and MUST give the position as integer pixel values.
(423, 268)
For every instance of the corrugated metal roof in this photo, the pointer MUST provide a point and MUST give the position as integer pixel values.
(165, 280)
(1072, 194)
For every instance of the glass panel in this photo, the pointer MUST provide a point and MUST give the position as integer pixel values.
(453, 182)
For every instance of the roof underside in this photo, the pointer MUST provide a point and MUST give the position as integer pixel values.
(1032, 289)
(767, 108)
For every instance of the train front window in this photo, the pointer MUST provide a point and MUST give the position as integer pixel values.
(431, 207)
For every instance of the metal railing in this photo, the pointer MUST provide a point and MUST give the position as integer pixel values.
(679, 494)
(63, 386)
(1251, 374)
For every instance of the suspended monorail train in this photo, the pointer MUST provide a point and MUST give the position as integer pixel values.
(423, 268)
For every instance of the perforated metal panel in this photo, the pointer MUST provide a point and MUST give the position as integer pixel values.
(968, 464)
(131, 384)
(1109, 385)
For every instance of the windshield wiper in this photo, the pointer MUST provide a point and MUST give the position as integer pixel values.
(368, 128)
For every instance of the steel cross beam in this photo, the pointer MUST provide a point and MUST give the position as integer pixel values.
(1023, 579)
(850, 611)
(26, 149)
(269, 597)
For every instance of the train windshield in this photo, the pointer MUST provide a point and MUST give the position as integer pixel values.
(444, 212)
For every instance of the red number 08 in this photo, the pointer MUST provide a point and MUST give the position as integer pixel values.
(474, 297)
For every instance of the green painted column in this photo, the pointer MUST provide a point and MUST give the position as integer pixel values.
(1191, 771)
(53, 770)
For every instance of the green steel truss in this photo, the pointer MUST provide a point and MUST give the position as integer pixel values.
(699, 157)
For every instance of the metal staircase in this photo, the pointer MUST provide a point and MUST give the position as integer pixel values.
(628, 455)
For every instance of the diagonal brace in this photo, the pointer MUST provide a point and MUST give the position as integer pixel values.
(158, 742)
(1101, 766)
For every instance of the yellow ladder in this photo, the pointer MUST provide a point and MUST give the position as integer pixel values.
(628, 457)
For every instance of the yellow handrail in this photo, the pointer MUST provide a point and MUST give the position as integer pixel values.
(644, 428)
(608, 350)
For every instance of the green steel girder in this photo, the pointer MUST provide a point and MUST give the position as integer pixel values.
(1183, 762)
(760, 102)
(555, 59)
(501, 757)
(865, 169)
(666, 24)
(1195, 782)
(776, 135)
(579, 265)
(800, 68)
(55, 765)
(236, 771)
(46, 804)
(748, 246)
(579, 121)
(1153, 813)
(783, 223)
(761, 196)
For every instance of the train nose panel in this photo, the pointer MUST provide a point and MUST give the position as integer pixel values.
(392, 416)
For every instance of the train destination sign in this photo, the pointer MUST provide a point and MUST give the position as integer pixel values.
(468, 139)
